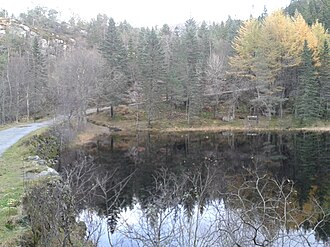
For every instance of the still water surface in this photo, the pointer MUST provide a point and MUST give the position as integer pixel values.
(211, 189)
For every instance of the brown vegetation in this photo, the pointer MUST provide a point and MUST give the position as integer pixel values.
(102, 123)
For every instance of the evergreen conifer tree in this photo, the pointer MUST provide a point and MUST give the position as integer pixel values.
(308, 98)
(113, 49)
(37, 80)
(205, 50)
(325, 81)
(177, 71)
(117, 74)
(192, 83)
(152, 63)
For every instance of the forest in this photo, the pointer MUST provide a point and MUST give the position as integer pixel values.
(273, 66)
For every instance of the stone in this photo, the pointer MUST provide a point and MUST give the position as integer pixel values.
(48, 172)
(34, 158)
(42, 162)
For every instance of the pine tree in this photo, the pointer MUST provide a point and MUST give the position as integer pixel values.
(113, 49)
(96, 30)
(205, 46)
(192, 84)
(37, 76)
(308, 98)
(177, 71)
(152, 64)
(311, 10)
(324, 72)
(306, 156)
(166, 38)
(132, 60)
(117, 74)
(3, 101)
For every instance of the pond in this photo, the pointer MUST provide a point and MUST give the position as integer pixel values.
(209, 189)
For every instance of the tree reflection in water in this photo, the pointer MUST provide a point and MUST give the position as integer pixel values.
(213, 190)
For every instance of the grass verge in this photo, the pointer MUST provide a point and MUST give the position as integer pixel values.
(12, 170)
(126, 122)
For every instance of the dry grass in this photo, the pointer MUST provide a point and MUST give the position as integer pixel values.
(129, 126)
(90, 132)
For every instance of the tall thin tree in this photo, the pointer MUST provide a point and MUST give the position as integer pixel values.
(308, 98)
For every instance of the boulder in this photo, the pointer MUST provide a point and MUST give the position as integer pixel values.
(34, 158)
(48, 172)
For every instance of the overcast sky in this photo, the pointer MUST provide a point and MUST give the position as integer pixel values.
(151, 12)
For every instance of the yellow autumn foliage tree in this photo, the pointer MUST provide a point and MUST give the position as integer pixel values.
(321, 36)
(275, 40)
(267, 48)
(279, 38)
(246, 45)
(301, 33)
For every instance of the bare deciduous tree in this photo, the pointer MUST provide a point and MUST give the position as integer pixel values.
(77, 79)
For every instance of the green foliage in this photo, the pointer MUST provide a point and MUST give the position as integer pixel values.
(37, 79)
(116, 75)
(11, 193)
(45, 145)
(96, 30)
(311, 166)
(225, 30)
(113, 49)
(312, 10)
(267, 98)
(192, 84)
(41, 17)
(265, 55)
(268, 54)
(176, 70)
(205, 47)
(308, 98)
(152, 70)
(324, 72)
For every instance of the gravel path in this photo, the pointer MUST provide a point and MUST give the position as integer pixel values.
(9, 137)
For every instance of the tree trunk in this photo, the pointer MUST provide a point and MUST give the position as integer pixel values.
(17, 105)
(216, 106)
(9, 85)
(3, 109)
(233, 111)
(149, 117)
(188, 111)
(111, 111)
(281, 104)
(27, 104)
(137, 116)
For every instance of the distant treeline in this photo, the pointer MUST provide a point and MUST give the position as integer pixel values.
(273, 65)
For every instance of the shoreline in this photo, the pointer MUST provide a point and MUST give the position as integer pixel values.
(94, 129)
(242, 129)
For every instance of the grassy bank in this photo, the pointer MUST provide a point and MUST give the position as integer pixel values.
(13, 167)
(126, 120)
